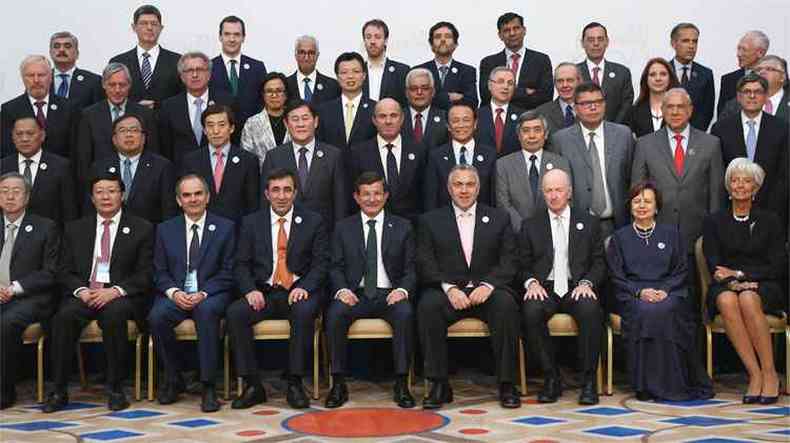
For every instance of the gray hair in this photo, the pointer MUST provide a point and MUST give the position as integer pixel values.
(557, 171)
(497, 70)
(31, 59)
(65, 34)
(773, 58)
(416, 72)
(459, 168)
(197, 177)
(758, 38)
(565, 65)
(113, 68)
(305, 39)
(679, 91)
(531, 115)
(190, 55)
(17, 175)
(742, 165)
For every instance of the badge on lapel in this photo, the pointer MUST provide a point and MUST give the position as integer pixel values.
(549, 166)
(691, 151)
(43, 166)
(319, 154)
(235, 159)
(513, 117)
(111, 170)
(579, 226)
(365, 105)
(411, 156)
(126, 230)
(298, 220)
(80, 78)
(392, 69)
(29, 228)
(247, 66)
(485, 219)
(53, 107)
(661, 245)
(212, 227)
(211, 103)
(319, 86)
(454, 70)
(445, 157)
(480, 158)
(612, 75)
(436, 118)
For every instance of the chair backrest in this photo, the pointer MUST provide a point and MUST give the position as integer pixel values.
(704, 275)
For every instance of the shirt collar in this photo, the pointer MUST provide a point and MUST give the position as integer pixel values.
(372, 65)
(122, 106)
(191, 98)
(521, 52)
(70, 72)
(395, 143)
(116, 219)
(379, 218)
(133, 159)
(200, 223)
(355, 101)
(745, 119)
(225, 149)
(495, 106)
(226, 60)
(538, 154)
(679, 65)
(288, 216)
(153, 52)
(18, 222)
(424, 113)
(310, 147)
(591, 65)
(565, 214)
(586, 132)
(313, 76)
(470, 145)
(33, 101)
(685, 133)
(458, 211)
(35, 157)
(439, 65)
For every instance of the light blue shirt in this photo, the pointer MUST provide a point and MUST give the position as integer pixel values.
(134, 161)
(58, 79)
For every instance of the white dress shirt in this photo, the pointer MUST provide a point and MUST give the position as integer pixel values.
(600, 143)
(679, 69)
(601, 66)
(559, 252)
(201, 224)
(226, 61)
(776, 99)
(684, 141)
(538, 160)
(115, 221)
(494, 107)
(16, 288)
(396, 151)
(33, 166)
(44, 109)
(154, 56)
(424, 117)
(300, 81)
(509, 60)
(375, 75)
(309, 154)
(470, 151)
(275, 227)
(121, 108)
(745, 122)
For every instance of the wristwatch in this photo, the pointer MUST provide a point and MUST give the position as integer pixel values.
(739, 275)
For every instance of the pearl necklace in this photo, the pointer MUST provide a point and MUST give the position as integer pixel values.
(740, 218)
(644, 234)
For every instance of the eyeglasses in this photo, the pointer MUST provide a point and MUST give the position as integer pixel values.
(192, 71)
(132, 131)
(302, 53)
(14, 192)
(502, 82)
(769, 69)
(751, 92)
(590, 103)
(424, 88)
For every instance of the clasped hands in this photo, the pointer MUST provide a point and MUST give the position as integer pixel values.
(98, 298)
(651, 295)
(257, 300)
(186, 301)
(723, 273)
(6, 294)
(460, 301)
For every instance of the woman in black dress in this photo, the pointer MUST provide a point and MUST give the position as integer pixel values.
(648, 265)
(744, 249)
(645, 116)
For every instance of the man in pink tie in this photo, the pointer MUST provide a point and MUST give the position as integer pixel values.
(774, 69)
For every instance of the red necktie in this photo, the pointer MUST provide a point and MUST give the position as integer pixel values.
(104, 254)
(499, 129)
(219, 169)
(769, 107)
(42, 120)
(595, 78)
(679, 155)
(514, 63)
(418, 127)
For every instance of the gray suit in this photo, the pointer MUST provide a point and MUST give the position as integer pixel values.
(617, 89)
(687, 199)
(513, 191)
(618, 153)
(553, 113)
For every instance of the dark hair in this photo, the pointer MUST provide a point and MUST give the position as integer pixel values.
(28, 117)
(297, 103)
(186, 177)
(105, 175)
(233, 19)
(639, 188)
(347, 57)
(128, 116)
(507, 18)
(644, 90)
(379, 23)
(586, 87)
(751, 78)
(218, 109)
(447, 25)
(147, 10)
(276, 76)
(462, 105)
(681, 26)
(595, 25)
(369, 178)
(278, 173)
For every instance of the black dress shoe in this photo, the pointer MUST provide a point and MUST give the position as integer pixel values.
(441, 393)
(763, 400)
(8, 399)
(589, 394)
(56, 401)
(208, 401)
(750, 399)
(401, 395)
(169, 394)
(117, 401)
(296, 396)
(251, 396)
(338, 396)
(643, 396)
(552, 390)
(509, 397)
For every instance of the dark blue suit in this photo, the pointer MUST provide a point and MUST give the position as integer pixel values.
(442, 159)
(703, 95)
(461, 78)
(486, 133)
(393, 81)
(251, 74)
(332, 128)
(215, 279)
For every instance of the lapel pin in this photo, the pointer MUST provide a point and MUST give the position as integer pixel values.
(211, 103)
(246, 66)
(436, 118)
(212, 227)
(29, 228)
(298, 220)
(365, 105)
(485, 219)
(126, 230)
(43, 166)
(612, 75)
(480, 158)
(411, 156)
(693, 73)
(147, 165)
(235, 159)
(80, 78)
(454, 70)
(579, 226)
(445, 157)
(389, 225)
(319, 86)
(549, 166)
(111, 170)
(513, 117)
(661, 245)
(691, 152)
(392, 69)
(53, 107)
(319, 154)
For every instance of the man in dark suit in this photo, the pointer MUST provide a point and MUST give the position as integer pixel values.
(613, 78)
(153, 68)
(348, 119)
(559, 112)
(232, 173)
(51, 178)
(532, 68)
(28, 264)
(400, 162)
(196, 285)
(237, 74)
(695, 78)
(94, 137)
(180, 127)
(371, 276)
(149, 178)
(456, 81)
(384, 77)
(82, 88)
(313, 86)
(53, 113)
(461, 150)
(466, 257)
(424, 123)
(496, 121)
(774, 70)
(281, 267)
(106, 272)
(562, 267)
(319, 167)
(751, 47)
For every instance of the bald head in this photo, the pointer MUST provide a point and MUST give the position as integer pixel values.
(388, 119)
(556, 185)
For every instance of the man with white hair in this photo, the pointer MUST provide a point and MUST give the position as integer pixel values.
(81, 87)
(423, 123)
(313, 86)
(751, 47)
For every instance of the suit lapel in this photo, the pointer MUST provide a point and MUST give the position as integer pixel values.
(143, 169)
(358, 118)
(407, 166)
(740, 140)
(358, 238)
(121, 239)
(386, 236)
(547, 233)
(26, 230)
(665, 151)
(208, 237)
(316, 166)
(582, 145)
(205, 168)
(452, 226)
(183, 116)
(294, 236)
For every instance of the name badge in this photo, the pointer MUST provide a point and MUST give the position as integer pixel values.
(102, 272)
(191, 284)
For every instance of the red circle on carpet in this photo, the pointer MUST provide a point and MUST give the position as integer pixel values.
(474, 431)
(543, 441)
(266, 412)
(531, 401)
(365, 422)
(250, 433)
(473, 411)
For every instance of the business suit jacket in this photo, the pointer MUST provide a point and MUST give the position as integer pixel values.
(251, 74)
(85, 88)
(440, 257)
(34, 259)
(688, 198)
(513, 191)
(618, 155)
(442, 159)
(486, 132)
(325, 88)
(239, 194)
(434, 127)
(732, 107)
(405, 199)
(327, 184)
(703, 95)
(553, 112)
(640, 119)
(534, 73)
(727, 90)
(307, 251)
(393, 81)
(175, 126)
(617, 89)
(54, 195)
(152, 196)
(165, 81)
(460, 78)
(215, 258)
(62, 119)
(398, 253)
(332, 130)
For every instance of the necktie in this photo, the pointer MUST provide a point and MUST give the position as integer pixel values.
(308, 93)
(126, 176)
(197, 123)
(499, 129)
(349, 119)
(442, 74)
(462, 157)
(392, 168)
(282, 277)
(219, 169)
(560, 258)
(194, 248)
(769, 107)
(533, 175)
(234, 78)
(5, 256)
(684, 78)
(569, 119)
(371, 261)
(598, 194)
(27, 172)
(751, 140)
(63, 89)
(104, 254)
(302, 168)
(595, 78)
(418, 127)
(467, 235)
(40, 118)
(679, 154)
(146, 71)
(514, 64)
(116, 112)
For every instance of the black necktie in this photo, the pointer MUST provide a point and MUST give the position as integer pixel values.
(194, 248)
(533, 175)
(371, 261)
(568, 116)
(684, 79)
(462, 159)
(302, 169)
(27, 171)
(392, 168)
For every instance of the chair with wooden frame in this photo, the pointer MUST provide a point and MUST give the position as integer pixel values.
(92, 333)
(34, 333)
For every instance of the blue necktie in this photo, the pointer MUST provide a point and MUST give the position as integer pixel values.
(308, 93)
(126, 176)
(751, 140)
(146, 70)
(568, 116)
(462, 157)
(197, 123)
(533, 175)
(63, 89)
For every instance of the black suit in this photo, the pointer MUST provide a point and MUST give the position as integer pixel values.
(332, 129)
(553, 112)
(434, 127)
(307, 257)
(393, 81)
(534, 73)
(727, 89)
(61, 120)
(85, 88)
(34, 262)
(617, 88)
(460, 78)
(131, 269)
(440, 259)
(251, 73)
(586, 262)
(703, 95)
(240, 191)
(325, 88)
(442, 159)
(640, 119)
(486, 132)
(152, 195)
(54, 196)
(165, 81)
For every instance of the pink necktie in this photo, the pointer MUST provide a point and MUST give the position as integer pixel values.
(769, 107)
(466, 234)
(42, 120)
(514, 63)
(595, 78)
(104, 254)
(219, 169)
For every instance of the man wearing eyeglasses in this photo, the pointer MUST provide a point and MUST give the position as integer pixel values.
(313, 86)
(423, 123)
(496, 124)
